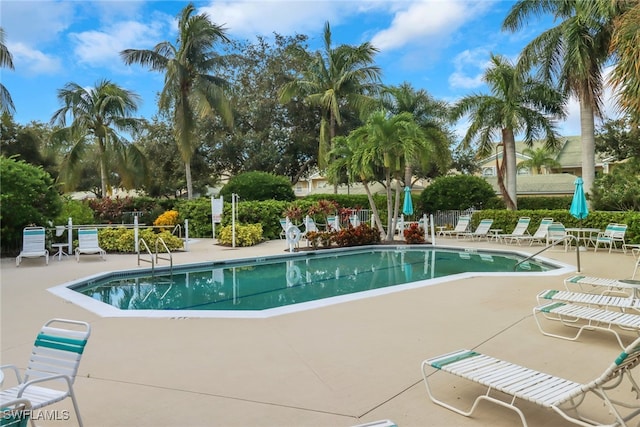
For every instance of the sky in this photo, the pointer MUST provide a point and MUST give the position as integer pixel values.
(442, 46)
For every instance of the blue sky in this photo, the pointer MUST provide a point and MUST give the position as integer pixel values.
(439, 45)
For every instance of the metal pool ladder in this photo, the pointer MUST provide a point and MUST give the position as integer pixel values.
(552, 244)
(151, 259)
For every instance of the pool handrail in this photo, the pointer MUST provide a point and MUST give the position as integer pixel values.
(552, 244)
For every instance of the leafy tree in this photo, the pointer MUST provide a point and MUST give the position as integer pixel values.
(28, 197)
(432, 116)
(97, 114)
(539, 158)
(334, 79)
(156, 140)
(268, 136)
(573, 53)
(464, 161)
(619, 139)
(189, 91)
(6, 60)
(618, 190)
(259, 186)
(28, 142)
(625, 45)
(518, 103)
(456, 192)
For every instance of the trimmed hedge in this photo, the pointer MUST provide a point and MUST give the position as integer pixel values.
(506, 220)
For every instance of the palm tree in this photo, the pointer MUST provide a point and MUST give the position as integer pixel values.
(335, 79)
(539, 158)
(518, 104)
(432, 116)
(572, 53)
(97, 113)
(388, 141)
(6, 60)
(625, 45)
(189, 90)
(350, 156)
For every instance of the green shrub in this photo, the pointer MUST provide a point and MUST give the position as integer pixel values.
(78, 210)
(357, 236)
(259, 186)
(122, 240)
(456, 192)
(246, 235)
(28, 197)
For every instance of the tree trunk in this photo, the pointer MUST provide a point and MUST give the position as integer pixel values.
(372, 205)
(509, 168)
(332, 134)
(104, 177)
(187, 172)
(408, 174)
(390, 222)
(587, 137)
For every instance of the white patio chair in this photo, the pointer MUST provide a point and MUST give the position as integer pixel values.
(539, 236)
(88, 244)
(354, 220)
(563, 396)
(33, 240)
(556, 233)
(612, 234)
(333, 223)
(519, 230)
(52, 367)
(481, 231)
(461, 227)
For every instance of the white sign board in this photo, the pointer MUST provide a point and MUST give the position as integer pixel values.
(216, 210)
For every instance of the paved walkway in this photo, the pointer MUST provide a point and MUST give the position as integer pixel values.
(340, 365)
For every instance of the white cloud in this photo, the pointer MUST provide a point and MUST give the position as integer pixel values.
(469, 66)
(31, 61)
(103, 47)
(427, 22)
(250, 18)
(35, 22)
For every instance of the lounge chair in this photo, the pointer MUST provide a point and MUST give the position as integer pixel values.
(33, 240)
(54, 361)
(284, 224)
(627, 287)
(598, 300)
(481, 231)
(519, 230)
(563, 396)
(539, 236)
(15, 413)
(612, 234)
(461, 227)
(88, 244)
(586, 318)
(556, 233)
(354, 220)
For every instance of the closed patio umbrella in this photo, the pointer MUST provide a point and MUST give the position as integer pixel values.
(407, 207)
(579, 207)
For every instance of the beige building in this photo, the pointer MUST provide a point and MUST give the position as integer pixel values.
(551, 181)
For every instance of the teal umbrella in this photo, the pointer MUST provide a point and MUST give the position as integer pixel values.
(579, 207)
(407, 207)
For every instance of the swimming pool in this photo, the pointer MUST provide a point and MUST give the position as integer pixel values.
(266, 286)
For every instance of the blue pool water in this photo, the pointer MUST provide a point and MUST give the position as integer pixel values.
(267, 283)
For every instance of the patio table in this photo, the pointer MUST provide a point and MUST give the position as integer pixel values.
(584, 235)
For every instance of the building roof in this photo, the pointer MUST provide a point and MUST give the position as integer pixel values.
(547, 184)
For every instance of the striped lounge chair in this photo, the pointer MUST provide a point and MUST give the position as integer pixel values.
(562, 396)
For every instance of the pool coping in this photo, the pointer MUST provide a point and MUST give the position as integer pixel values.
(66, 292)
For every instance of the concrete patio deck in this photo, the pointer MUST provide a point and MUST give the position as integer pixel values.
(339, 365)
